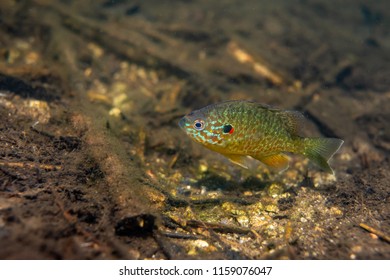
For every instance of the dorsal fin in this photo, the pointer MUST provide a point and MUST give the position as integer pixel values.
(293, 121)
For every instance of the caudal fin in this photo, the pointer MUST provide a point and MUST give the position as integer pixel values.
(320, 150)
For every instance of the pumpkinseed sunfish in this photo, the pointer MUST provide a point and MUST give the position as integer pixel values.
(238, 129)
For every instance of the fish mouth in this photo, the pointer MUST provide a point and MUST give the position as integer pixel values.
(183, 122)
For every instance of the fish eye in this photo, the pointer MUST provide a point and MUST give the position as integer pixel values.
(227, 128)
(199, 124)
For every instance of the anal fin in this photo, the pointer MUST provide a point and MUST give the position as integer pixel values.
(237, 159)
(277, 162)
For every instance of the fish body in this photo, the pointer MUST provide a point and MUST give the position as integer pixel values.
(237, 129)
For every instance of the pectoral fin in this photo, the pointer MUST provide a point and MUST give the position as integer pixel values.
(277, 162)
(237, 159)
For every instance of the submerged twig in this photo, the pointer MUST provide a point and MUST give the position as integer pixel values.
(181, 235)
(31, 165)
(258, 65)
(218, 227)
(377, 232)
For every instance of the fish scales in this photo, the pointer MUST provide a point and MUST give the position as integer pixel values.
(238, 129)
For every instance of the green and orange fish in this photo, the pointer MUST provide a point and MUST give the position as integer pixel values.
(237, 129)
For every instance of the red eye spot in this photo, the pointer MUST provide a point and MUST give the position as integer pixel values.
(227, 128)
